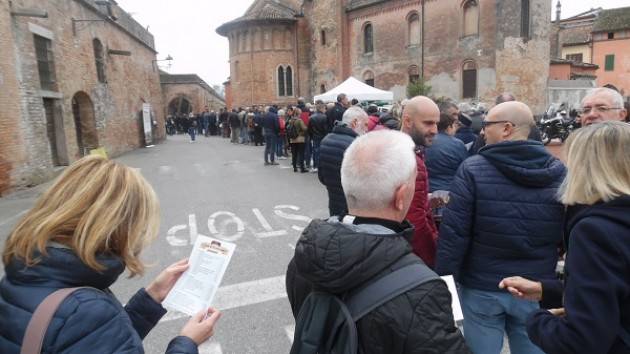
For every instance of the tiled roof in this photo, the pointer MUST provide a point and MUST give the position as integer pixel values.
(613, 20)
(264, 10)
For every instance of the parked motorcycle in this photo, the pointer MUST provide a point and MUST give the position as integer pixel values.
(556, 127)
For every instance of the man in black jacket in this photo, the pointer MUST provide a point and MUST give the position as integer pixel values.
(335, 114)
(354, 123)
(317, 130)
(344, 254)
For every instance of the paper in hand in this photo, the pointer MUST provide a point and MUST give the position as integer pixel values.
(196, 288)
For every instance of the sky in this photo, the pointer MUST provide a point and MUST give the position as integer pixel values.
(185, 29)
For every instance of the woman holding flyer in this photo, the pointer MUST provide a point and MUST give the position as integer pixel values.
(84, 231)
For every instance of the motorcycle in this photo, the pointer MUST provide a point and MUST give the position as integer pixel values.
(556, 127)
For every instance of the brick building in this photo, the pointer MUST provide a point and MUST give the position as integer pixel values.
(469, 50)
(75, 75)
(185, 93)
(596, 39)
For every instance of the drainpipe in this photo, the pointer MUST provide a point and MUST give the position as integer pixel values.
(422, 39)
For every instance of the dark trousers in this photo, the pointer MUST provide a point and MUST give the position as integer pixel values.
(270, 147)
(297, 156)
(307, 151)
(316, 143)
(258, 137)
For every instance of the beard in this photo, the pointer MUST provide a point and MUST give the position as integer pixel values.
(420, 138)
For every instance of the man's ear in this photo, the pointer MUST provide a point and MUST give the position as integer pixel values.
(399, 197)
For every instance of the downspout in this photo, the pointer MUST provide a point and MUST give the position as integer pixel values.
(422, 40)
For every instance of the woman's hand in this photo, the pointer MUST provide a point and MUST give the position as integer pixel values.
(162, 285)
(201, 326)
(522, 288)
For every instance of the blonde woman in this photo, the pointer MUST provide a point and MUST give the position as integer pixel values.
(595, 314)
(89, 227)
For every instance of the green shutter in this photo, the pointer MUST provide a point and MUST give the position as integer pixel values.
(610, 62)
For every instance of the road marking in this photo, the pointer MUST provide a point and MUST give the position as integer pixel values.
(164, 170)
(290, 331)
(233, 219)
(11, 218)
(210, 348)
(292, 246)
(242, 294)
(269, 232)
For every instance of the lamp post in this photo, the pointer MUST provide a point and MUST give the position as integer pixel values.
(168, 58)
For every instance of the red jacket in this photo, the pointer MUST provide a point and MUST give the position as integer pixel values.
(424, 241)
(305, 116)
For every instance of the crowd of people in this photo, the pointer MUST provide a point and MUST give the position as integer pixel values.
(413, 193)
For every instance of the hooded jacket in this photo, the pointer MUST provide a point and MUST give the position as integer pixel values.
(503, 217)
(331, 152)
(443, 158)
(340, 259)
(89, 320)
(597, 284)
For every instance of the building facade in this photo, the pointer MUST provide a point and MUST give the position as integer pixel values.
(468, 50)
(185, 93)
(611, 49)
(78, 75)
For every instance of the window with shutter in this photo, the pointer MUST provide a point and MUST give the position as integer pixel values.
(469, 79)
(610, 63)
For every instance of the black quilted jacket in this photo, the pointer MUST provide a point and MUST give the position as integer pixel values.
(334, 257)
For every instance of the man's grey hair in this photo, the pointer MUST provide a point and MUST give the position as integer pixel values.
(375, 166)
(504, 97)
(353, 113)
(617, 99)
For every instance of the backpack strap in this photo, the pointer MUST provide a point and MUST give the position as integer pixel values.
(625, 336)
(38, 325)
(388, 287)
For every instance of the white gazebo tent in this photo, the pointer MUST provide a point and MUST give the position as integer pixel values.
(354, 88)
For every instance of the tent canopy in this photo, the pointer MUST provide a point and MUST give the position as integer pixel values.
(354, 88)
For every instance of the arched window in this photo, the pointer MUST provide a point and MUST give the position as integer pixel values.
(469, 79)
(368, 78)
(323, 37)
(99, 58)
(413, 29)
(289, 81)
(368, 40)
(471, 18)
(322, 88)
(414, 73)
(525, 19)
(281, 88)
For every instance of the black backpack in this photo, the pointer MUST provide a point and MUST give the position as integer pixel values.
(326, 324)
(292, 130)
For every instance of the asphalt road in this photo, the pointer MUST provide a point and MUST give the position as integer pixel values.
(261, 208)
(218, 189)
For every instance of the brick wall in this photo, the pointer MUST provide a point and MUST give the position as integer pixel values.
(196, 94)
(130, 81)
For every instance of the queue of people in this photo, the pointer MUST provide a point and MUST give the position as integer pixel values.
(512, 211)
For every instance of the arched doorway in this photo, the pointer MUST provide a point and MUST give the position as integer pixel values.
(179, 106)
(84, 122)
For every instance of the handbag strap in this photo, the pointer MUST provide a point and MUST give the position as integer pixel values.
(38, 325)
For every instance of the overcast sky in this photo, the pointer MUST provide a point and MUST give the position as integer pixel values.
(185, 29)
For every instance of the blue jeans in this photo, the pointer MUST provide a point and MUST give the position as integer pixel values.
(270, 147)
(192, 131)
(316, 143)
(280, 146)
(488, 315)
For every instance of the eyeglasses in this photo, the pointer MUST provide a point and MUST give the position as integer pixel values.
(600, 109)
(486, 123)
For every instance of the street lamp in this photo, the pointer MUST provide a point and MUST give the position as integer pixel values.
(168, 58)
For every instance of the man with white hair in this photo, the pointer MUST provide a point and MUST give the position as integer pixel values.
(344, 254)
(332, 148)
(602, 104)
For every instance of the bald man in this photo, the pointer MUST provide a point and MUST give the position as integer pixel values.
(502, 219)
(419, 120)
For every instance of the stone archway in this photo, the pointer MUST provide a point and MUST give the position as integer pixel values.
(180, 105)
(84, 122)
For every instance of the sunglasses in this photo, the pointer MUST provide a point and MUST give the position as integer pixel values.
(486, 123)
